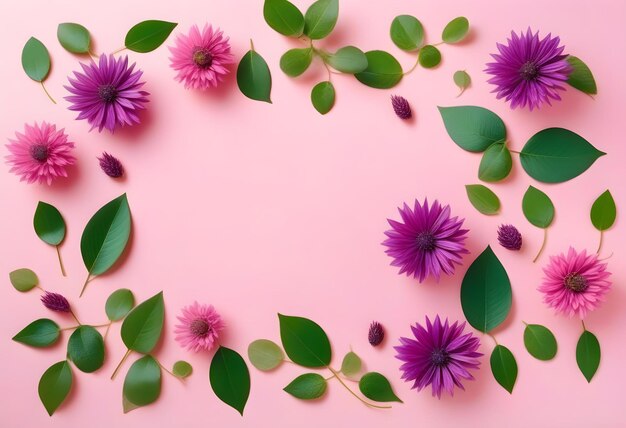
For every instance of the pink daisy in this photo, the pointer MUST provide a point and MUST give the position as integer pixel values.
(201, 58)
(40, 154)
(200, 327)
(575, 283)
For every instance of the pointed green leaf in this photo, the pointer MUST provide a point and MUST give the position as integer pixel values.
(74, 37)
(254, 78)
(376, 387)
(182, 369)
(323, 97)
(119, 304)
(603, 211)
(351, 364)
(320, 18)
(148, 35)
(588, 354)
(581, 77)
(429, 56)
(456, 30)
(383, 70)
(496, 163)
(537, 207)
(265, 355)
(142, 385)
(304, 341)
(230, 378)
(348, 59)
(308, 386)
(504, 367)
(86, 349)
(36, 60)
(40, 333)
(127, 406)
(283, 17)
(462, 80)
(294, 62)
(23, 279)
(49, 224)
(483, 199)
(141, 329)
(473, 128)
(407, 32)
(55, 385)
(540, 342)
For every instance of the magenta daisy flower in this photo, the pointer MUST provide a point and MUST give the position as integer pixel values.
(575, 283)
(427, 242)
(40, 154)
(440, 356)
(201, 58)
(529, 71)
(199, 328)
(108, 94)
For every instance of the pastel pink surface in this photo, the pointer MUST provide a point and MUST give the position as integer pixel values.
(262, 208)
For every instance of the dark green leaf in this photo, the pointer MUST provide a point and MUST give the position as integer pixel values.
(142, 385)
(182, 369)
(603, 211)
(49, 224)
(294, 62)
(588, 354)
(456, 30)
(74, 37)
(504, 367)
(537, 207)
(323, 97)
(351, 364)
(230, 378)
(36, 60)
(540, 342)
(23, 279)
(265, 355)
(320, 18)
(142, 327)
(308, 386)
(581, 77)
(376, 387)
(429, 56)
(348, 59)
(473, 128)
(462, 80)
(55, 385)
(304, 341)
(486, 292)
(483, 199)
(496, 163)
(119, 304)
(148, 35)
(40, 333)
(383, 70)
(554, 155)
(283, 17)
(254, 78)
(407, 32)
(86, 349)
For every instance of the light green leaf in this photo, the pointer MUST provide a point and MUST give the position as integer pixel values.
(304, 341)
(351, 364)
(588, 354)
(456, 30)
(581, 77)
(141, 329)
(537, 207)
(320, 18)
(383, 70)
(308, 386)
(142, 385)
(294, 62)
(323, 97)
(49, 224)
(36, 60)
(462, 80)
(265, 355)
(182, 369)
(407, 32)
(254, 78)
(376, 387)
(55, 385)
(473, 128)
(23, 279)
(603, 211)
(540, 342)
(429, 56)
(40, 333)
(86, 349)
(119, 304)
(283, 17)
(504, 367)
(148, 35)
(348, 59)
(74, 37)
(230, 379)
(496, 163)
(483, 199)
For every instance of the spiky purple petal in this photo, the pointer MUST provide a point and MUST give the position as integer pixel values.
(111, 165)
(509, 237)
(376, 333)
(55, 302)
(401, 107)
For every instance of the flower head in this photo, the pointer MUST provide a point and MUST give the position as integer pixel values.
(201, 58)
(111, 165)
(529, 71)
(509, 237)
(376, 333)
(55, 302)
(440, 356)
(401, 107)
(575, 283)
(40, 154)
(427, 242)
(199, 328)
(108, 93)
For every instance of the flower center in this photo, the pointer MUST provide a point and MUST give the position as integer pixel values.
(202, 58)
(529, 71)
(107, 93)
(39, 152)
(425, 241)
(200, 327)
(439, 357)
(576, 282)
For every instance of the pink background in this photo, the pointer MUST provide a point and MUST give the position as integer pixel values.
(260, 208)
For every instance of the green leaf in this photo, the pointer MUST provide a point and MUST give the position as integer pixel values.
(323, 97)
(537, 207)
(351, 364)
(265, 355)
(320, 18)
(119, 304)
(304, 341)
(308, 386)
(348, 59)
(456, 30)
(182, 369)
(106, 235)
(230, 378)
(539, 342)
(127, 406)
(472, 128)
(49, 224)
(581, 77)
(40, 333)
(406, 32)
(603, 211)
(555, 155)
(483, 199)
(496, 163)
(504, 367)
(23, 279)
(588, 354)
(148, 35)
(383, 70)
(142, 384)
(36, 60)
(254, 78)
(486, 292)
(294, 62)
(462, 80)
(55, 385)
(283, 17)
(142, 327)
(86, 349)
(376, 387)
(74, 37)
(429, 56)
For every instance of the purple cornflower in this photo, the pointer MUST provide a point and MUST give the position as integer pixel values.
(376, 333)
(111, 165)
(509, 237)
(401, 107)
(55, 302)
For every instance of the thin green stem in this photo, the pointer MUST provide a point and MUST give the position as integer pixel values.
(600, 243)
(584, 328)
(118, 51)
(251, 45)
(60, 260)
(354, 394)
(128, 351)
(47, 93)
(69, 328)
(40, 287)
(85, 284)
(410, 70)
(106, 332)
(74, 315)
(169, 372)
(514, 151)
(494, 338)
(543, 244)
(101, 325)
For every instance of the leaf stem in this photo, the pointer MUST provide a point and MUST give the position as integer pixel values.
(494, 338)
(85, 284)
(543, 244)
(47, 93)
(584, 328)
(251, 45)
(128, 351)
(119, 50)
(60, 260)
(410, 70)
(101, 325)
(169, 372)
(69, 328)
(106, 332)
(74, 315)
(600, 243)
(353, 393)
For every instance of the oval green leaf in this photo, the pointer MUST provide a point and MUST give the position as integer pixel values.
(429, 56)
(603, 211)
(254, 78)
(504, 367)
(407, 32)
(265, 355)
(537, 207)
(540, 342)
(496, 163)
(320, 18)
(483, 199)
(294, 62)
(376, 387)
(351, 364)
(308, 386)
(555, 155)
(323, 97)
(486, 292)
(456, 30)
(383, 70)
(581, 77)
(23, 279)
(35, 60)
(588, 354)
(283, 17)
(462, 80)
(348, 59)
(142, 327)
(86, 349)
(148, 35)
(49, 224)
(182, 369)
(74, 37)
(55, 385)
(230, 379)
(119, 304)
(40, 333)
(304, 341)
(473, 128)
(142, 384)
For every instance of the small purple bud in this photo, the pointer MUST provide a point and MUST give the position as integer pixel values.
(401, 107)
(376, 334)
(509, 237)
(55, 302)
(111, 165)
